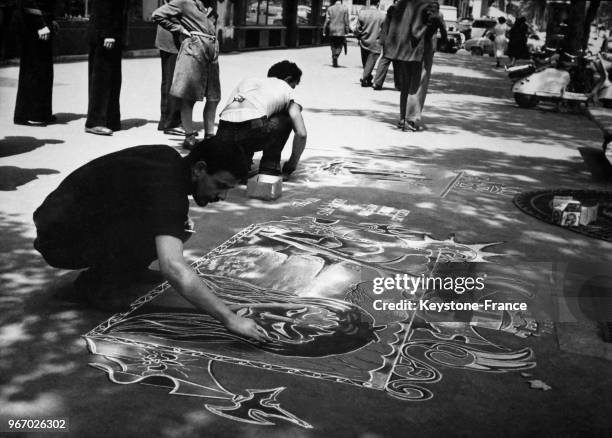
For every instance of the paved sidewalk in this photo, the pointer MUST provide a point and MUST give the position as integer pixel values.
(474, 129)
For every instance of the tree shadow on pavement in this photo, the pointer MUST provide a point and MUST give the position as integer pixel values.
(12, 177)
(15, 145)
(389, 117)
(501, 120)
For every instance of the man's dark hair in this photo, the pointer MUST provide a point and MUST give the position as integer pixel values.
(220, 156)
(283, 69)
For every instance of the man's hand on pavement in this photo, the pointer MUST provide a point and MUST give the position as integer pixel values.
(44, 33)
(109, 43)
(288, 168)
(247, 327)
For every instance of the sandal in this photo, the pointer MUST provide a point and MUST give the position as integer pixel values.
(411, 126)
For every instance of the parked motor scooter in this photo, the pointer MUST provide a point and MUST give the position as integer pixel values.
(551, 83)
(563, 79)
(602, 91)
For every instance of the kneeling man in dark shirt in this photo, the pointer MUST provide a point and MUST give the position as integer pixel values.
(119, 212)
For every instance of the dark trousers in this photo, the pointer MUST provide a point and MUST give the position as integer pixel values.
(337, 43)
(170, 105)
(368, 59)
(35, 89)
(409, 77)
(266, 134)
(116, 249)
(104, 86)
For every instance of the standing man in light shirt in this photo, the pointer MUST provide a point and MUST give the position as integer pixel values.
(369, 22)
(260, 115)
(336, 26)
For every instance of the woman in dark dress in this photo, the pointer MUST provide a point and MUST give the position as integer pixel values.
(517, 46)
(34, 93)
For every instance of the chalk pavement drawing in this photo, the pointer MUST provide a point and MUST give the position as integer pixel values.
(338, 205)
(397, 175)
(308, 282)
(485, 185)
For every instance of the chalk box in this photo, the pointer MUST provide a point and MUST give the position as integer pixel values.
(267, 187)
(566, 211)
(588, 214)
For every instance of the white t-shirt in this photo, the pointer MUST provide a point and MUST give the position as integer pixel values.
(258, 97)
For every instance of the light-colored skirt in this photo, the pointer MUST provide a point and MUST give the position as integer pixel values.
(501, 42)
(196, 75)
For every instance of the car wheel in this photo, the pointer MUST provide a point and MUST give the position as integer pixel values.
(476, 51)
(525, 100)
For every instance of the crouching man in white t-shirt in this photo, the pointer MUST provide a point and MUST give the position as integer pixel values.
(260, 115)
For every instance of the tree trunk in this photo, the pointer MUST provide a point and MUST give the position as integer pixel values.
(575, 27)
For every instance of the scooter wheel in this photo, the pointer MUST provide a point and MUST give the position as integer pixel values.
(525, 100)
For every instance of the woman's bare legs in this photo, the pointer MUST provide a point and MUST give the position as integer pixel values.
(210, 108)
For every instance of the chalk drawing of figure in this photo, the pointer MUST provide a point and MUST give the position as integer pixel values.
(306, 327)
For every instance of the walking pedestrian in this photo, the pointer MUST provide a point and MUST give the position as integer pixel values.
(35, 89)
(517, 46)
(170, 106)
(383, 61)
(336, 26)
(500, 41)
(196, 75)
(405, 27)
(369, 21)
(107, 26)
(435, 23)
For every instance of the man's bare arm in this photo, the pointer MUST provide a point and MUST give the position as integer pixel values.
(299, 137)
(187, 283)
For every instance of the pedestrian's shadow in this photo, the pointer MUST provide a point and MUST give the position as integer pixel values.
(12, 177)
(14, 145)
(597, 163)
(135, 123)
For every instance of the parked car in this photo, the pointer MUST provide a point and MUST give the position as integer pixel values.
(481, 45)
(480, 26)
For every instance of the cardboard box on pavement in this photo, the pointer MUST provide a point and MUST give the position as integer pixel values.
(267, 187)
(566, 211)
(588, 214)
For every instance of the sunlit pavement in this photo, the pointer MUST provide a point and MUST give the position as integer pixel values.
(472, 125)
